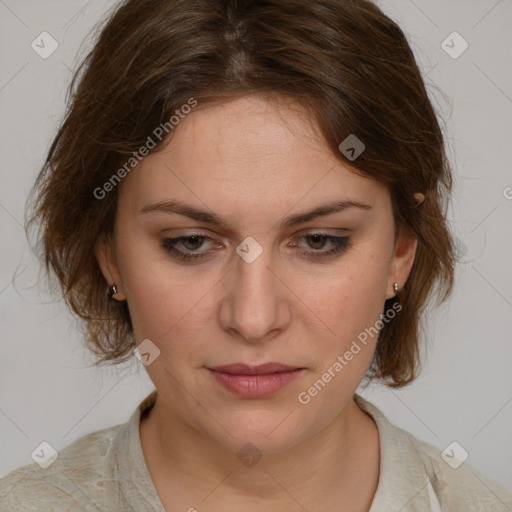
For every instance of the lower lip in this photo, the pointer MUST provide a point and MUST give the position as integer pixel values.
(256, 386)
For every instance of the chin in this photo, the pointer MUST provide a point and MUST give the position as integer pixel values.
(264, 431)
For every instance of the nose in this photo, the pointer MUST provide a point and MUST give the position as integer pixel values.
(256, 303)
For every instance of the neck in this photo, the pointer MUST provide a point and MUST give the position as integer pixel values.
(339, 462)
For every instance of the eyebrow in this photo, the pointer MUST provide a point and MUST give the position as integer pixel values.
(180, 208)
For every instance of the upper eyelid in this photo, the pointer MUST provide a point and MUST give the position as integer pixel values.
(197, 234)
(305, 232)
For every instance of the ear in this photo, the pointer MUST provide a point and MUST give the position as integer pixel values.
(401, 264)
(105, 256)
(403, 258)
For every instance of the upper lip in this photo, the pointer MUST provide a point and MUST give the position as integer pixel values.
(247, 369)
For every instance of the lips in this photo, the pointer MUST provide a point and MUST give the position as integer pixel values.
(246, 369)
(251, 381)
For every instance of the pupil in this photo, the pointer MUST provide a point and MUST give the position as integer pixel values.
(317, 238)
(194, 239)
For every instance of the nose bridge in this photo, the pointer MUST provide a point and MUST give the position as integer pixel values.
(254, 298)
(253, 278)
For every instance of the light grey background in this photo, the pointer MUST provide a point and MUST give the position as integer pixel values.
(465, 392)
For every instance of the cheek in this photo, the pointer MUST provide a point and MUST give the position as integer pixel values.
(347, 299)
(161, 308)
(351, 306)
(349, 303)
(168, 306)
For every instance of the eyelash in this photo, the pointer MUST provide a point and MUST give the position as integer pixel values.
(341, 244)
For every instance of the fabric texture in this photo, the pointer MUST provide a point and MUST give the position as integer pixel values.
(105, 471)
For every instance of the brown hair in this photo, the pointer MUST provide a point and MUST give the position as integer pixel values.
(346, 61)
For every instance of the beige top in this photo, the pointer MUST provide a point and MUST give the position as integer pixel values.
(105, 471)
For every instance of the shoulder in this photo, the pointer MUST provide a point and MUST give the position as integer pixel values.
(420, 476)
(76, 481)
(460, 485)
(22, 490)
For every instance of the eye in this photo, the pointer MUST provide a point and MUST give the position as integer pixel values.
(187, 248)
(318, 241)
(191, 243)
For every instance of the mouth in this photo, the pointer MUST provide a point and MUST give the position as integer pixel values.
(247, 369)
(252, 381)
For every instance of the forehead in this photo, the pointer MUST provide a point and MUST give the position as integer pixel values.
(248, 150)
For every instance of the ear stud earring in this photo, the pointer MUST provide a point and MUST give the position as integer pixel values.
(112, 291)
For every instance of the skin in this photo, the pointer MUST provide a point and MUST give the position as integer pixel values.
(254, 162)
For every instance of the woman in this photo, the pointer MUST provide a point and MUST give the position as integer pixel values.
(250, 198)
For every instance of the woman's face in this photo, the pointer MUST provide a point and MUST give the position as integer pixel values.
(290, 294)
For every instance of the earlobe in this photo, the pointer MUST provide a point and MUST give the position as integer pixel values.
(420, 198)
